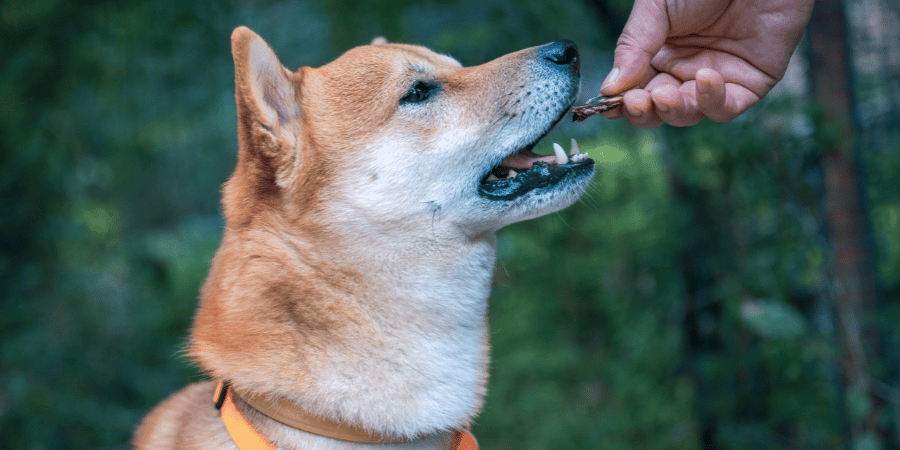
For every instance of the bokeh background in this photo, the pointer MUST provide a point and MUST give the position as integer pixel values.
(723, 286)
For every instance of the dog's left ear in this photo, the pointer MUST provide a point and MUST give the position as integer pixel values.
(264, 87)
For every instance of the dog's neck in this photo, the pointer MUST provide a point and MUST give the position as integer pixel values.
(389, 337)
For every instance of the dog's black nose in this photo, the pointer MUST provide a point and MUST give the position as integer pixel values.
(563, 53)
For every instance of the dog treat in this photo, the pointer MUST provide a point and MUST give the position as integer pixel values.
(595, 105)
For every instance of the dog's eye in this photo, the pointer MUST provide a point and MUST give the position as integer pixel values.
(419, 92)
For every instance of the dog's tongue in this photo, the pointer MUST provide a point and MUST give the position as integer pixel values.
(524, 159)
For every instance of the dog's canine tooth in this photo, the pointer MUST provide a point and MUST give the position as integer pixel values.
(492, 177)
(561, 157)
(512, 173)
(573, 149)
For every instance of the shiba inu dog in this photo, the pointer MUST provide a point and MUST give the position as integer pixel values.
(348, 296)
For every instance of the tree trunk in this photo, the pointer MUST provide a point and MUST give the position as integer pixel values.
(851, 279)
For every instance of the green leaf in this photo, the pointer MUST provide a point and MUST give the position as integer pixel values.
(773, 320)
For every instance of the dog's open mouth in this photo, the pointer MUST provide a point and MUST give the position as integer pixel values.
(524, 171)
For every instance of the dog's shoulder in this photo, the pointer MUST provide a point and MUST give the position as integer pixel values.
(187, 419)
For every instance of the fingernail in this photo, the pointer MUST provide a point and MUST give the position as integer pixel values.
(611, 78)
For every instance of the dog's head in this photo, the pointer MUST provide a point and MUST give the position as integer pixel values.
(392, 133)
(360, 224)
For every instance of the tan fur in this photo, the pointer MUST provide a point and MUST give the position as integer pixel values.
(346, 281)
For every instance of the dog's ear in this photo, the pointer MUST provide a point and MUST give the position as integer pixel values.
(263, 86)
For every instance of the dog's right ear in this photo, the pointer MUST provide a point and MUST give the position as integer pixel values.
(265, 89)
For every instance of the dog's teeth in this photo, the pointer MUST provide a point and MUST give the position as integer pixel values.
(561, 157)
(512, 173)
(492, 177)
(574, 150)
(579, 157)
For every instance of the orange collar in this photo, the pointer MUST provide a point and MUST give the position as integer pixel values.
(247, 437)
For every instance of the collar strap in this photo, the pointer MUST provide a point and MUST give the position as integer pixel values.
(242, 432)
(290, 414)
(247, 437)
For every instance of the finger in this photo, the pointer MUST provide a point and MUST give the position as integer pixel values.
(615, 113)
(738, 99)
(662, 79)
(642, 37)
(638, 103)
(638, 109)
(674, 101)
(671, 107)
(710, 91)
(648, 78)
(721, 101)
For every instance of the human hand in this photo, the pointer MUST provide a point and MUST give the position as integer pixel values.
(678, 61)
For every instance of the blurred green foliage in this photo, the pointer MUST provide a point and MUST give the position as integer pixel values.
(685, 289)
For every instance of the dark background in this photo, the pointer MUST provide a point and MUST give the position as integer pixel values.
(724, 286)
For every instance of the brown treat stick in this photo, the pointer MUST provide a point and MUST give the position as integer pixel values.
(595, 105)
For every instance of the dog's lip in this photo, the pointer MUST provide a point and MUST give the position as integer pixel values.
(541, 175)
(525, 171)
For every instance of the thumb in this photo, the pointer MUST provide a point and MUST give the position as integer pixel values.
(644, 34)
